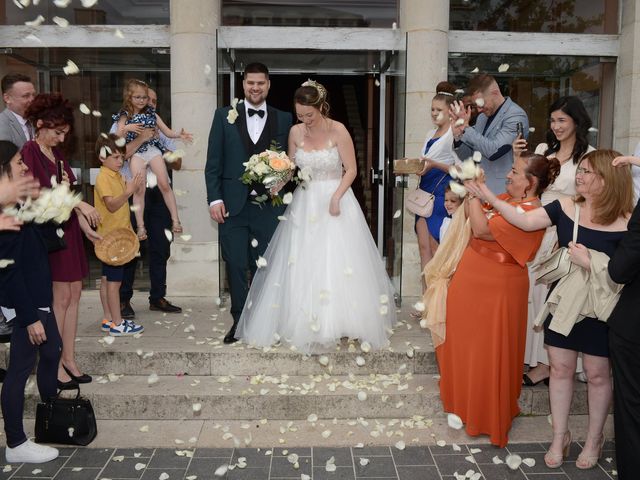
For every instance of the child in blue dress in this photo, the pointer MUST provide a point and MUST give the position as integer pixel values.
(132, 118)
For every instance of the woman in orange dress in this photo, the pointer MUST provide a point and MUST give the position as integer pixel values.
(481, 359)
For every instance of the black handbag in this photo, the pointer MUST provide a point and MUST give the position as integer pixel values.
(53, 242)
(66, 421)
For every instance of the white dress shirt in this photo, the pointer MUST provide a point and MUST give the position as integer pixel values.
(255, 125)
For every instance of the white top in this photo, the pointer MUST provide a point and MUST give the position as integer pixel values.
(442, 150)
(444, 227)
(565, 183)
(255, 123)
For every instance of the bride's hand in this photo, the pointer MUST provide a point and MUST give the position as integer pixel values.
(334, 207)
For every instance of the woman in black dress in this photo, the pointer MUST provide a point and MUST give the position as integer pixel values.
(605, 196)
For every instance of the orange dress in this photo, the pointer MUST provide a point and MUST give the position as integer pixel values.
(481, 359)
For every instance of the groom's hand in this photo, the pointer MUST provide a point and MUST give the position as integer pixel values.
(218, 212)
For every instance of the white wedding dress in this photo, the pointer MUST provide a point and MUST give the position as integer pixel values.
(324, 277)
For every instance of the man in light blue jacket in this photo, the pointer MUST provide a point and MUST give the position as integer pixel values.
(494, 131)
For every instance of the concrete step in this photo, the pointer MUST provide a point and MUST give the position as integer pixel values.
(187, 434)
(281, 397)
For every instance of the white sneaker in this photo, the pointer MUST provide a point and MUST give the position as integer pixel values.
(29, 452)
(127, 327)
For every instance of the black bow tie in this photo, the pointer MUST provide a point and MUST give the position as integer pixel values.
(253, 111)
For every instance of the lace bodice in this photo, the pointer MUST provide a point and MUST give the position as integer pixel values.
(325, 164)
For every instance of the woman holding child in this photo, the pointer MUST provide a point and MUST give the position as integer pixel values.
(481, 357)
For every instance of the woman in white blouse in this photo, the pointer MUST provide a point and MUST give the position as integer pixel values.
(567, 141)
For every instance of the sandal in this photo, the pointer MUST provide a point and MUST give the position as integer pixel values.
(176, 226)
(553, 460)
(585, 462)
(142, 233)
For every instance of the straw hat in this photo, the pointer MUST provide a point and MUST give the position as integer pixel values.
(117, 247)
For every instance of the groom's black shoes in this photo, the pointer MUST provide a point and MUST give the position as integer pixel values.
(230, 337)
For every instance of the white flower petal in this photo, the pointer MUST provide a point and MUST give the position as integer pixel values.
(287, 198)
(454, 421)
(61, 22)
(323, 360)
(153, 378)
(261, 262)
(5, 262)
(480, 102)
(397, 213)
(96, 113)
(196, 407)
(365, 347)
(475, 70)
(419, 306)
(360, 361)
(70, 68)
(185, 237)
(513, 461)
(139, 466)
(441, 443)
(118, 33)
(532, 129)
(86, 110)
(477, 156)
(326, 434)
(400, 445)
(529, 462)
(254, 243)
(459, 122)
(362, 396)
(503, 67)
(497, 460)
(35, 22)
(169, 234)
(89, 4)
(364, 462)
(221, 471)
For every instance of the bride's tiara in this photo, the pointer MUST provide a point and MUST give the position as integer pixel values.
(322, 92)
(445, 93)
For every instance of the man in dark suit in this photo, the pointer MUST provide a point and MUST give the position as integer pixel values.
(624, 348)
(236, 134)
(17, 93)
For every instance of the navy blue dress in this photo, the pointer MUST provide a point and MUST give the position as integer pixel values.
(429, 183)
(590, 335)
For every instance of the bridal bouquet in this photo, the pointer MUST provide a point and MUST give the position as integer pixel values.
(269, 168)
(54, 204)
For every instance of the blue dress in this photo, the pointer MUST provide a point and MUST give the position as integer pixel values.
(147, 118)
(429, 183)
(590, 335)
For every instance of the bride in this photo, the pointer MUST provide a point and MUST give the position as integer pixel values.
(324, 278)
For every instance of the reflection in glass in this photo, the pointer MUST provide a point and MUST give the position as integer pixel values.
(535, 82)
(104, 12)
(567, 16)
(322, 13)
(98, 85)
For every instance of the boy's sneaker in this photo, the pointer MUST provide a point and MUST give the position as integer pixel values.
(127, 327)
(105, 325)
(29, 452)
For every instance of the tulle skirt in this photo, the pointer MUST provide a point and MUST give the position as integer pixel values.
(323, 280)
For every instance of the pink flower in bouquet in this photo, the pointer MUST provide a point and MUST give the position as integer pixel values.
(279, 163)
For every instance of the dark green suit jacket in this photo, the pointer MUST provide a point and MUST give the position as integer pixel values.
(228, 150)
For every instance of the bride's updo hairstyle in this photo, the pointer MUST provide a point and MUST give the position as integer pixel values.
(312, 94)
(445, 92)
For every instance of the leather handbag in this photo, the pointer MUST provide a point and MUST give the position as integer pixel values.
(66, 421)
(557, 264)
(420, 202)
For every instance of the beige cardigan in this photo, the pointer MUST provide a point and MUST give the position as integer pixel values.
(581, 293)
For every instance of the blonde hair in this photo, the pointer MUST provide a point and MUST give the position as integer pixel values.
(127, 92)
(616, 198)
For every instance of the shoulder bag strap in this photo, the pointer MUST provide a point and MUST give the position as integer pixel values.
(576, 221)
(439, 182)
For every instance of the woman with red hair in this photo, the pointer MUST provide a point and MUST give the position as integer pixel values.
(52, 118)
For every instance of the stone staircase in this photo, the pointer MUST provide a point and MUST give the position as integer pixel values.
(180, 371)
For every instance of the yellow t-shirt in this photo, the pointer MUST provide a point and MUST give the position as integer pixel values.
(110, 183)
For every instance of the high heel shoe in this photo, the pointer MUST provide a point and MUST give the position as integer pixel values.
(84, 378)
(527, 382)
(553, 460)
(586, 462)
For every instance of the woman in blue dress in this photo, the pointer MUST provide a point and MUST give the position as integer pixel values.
(439, 156)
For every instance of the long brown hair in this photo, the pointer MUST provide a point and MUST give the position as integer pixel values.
(616, 198)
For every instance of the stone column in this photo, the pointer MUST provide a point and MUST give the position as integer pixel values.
(426, 23)
(193, 267)
(627, 104)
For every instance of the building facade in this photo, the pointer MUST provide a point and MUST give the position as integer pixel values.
(380, 61)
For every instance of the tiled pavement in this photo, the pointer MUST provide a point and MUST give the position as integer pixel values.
(384, 463)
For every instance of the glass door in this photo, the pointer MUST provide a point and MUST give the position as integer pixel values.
(359, 86)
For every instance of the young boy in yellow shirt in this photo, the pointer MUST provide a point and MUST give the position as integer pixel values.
(111, 195)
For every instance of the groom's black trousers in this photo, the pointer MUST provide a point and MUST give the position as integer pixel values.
(235, 235)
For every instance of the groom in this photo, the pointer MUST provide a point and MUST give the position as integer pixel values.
(236, 134)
